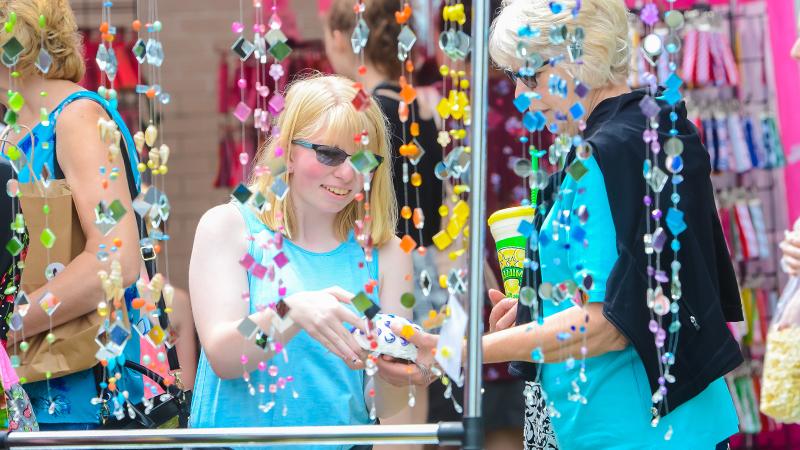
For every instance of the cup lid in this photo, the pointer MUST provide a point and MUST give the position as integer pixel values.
(511, 213)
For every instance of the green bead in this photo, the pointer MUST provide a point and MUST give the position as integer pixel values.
(48, 374)
(14, 246)
(9, 27)
(46, 209)
(15, 74)
(47, 238)
(16, 102)
(157, 26)
(10, 118)
(10, 290)
(12, 18)
(407, 300)
(24, 346)
(43, 94)
(13, 153)
(42, 21)
(50, 338)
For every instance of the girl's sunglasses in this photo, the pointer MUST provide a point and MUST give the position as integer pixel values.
(329, 155)
(529, 82)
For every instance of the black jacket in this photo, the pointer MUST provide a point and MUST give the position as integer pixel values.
(710, 294)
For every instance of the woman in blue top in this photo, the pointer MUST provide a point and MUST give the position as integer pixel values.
(592, 228)
(304, 375)
(73, 114)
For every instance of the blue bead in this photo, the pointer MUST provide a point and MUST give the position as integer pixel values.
(673, 132)
(108, 4)
(673, 116)
(675, 197)
(676, 245)
(525, 202)
(523, 139)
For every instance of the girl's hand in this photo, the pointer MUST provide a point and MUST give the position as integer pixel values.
(504, 311)
(791, 252)
(321, 314)
(400, 372)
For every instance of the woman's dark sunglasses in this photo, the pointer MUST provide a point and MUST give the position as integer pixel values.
(329, 155)
(529, 81)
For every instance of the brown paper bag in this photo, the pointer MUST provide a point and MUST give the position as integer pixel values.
(74, 348)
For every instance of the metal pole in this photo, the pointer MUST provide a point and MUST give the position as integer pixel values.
(473, 425)
(448, 433)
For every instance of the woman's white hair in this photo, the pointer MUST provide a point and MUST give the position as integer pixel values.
(606, 46)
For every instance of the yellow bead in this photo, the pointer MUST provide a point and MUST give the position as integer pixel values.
(443, 281)
(444, 210)
(141, 167)
(461, 73)
(163, 170)
(464, 84)
(405, 212)
(416, 179)
(444, 70)
(102, 309)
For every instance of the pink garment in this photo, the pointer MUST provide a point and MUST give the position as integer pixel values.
(782, 33)
(7, 372)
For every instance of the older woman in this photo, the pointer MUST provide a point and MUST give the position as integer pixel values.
(607, 401)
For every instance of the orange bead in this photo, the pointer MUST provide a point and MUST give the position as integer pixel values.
(104, 362)
(359, 197)
(117, 242)
(416, 180)
(409, 66)
(408, 275)
(137, 303)
(422, 250)
(136, 25)
(414, 129)
(105, 183)
(157, 248)
(149, 307)
(151, 93)
(362, 70)
(104, 27)
(405, 212)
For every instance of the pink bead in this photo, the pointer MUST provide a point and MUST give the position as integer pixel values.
(244, 158)
(281, 383)
(273, 371)
(290, 378)
(242, 83)
(237, 27)
(278, 151)
(278, 347)
(244, 359)
(273, 388)
(256, 28)
(262, 366)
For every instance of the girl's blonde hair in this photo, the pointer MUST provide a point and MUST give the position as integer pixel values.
(606, 46)
(59, 37)
(318, 103)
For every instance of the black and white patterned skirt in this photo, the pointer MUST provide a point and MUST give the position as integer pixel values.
(538, 432)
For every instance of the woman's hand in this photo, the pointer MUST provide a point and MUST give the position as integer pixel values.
(504, 311)
(399, 372)
(791, 251)
(321, 314)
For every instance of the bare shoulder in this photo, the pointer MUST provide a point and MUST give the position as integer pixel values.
(392, 258)
(80, 116)
(222, 223)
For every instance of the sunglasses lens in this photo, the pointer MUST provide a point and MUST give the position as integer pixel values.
(330, 156)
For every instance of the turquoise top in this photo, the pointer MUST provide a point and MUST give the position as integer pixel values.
(72, 393)
(618, 398)
(324, 390)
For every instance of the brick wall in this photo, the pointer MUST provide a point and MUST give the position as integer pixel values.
(194, 32)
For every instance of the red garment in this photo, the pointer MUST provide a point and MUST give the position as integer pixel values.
(127, 66)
